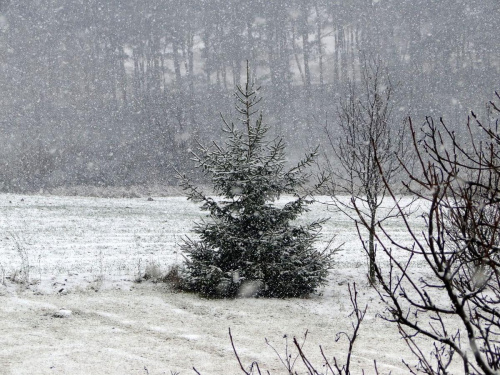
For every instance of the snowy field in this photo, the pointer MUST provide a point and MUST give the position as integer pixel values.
(83, 255)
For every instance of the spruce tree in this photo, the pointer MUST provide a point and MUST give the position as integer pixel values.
(248, 240)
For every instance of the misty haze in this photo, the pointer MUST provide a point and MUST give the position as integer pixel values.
(112, 93)
(249, 187)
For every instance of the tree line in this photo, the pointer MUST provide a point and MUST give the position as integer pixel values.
(114, 92)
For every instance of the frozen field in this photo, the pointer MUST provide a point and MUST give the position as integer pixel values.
(84, 255)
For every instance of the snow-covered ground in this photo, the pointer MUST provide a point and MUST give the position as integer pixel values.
(84, 314)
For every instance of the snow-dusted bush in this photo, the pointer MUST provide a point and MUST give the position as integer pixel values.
(248, 238)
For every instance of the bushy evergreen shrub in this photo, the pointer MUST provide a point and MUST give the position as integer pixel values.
(249, 240)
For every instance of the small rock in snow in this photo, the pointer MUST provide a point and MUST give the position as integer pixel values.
(62, 313)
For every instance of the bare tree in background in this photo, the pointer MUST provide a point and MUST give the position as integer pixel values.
(456, 303)
(366, 122)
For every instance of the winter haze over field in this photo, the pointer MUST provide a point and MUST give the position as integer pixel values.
(201, 186)
(113, 92)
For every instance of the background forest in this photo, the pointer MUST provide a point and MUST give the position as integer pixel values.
(114, 92)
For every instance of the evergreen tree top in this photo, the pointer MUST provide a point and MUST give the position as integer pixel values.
(249, 166)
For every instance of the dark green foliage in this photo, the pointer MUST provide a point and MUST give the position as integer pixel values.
(248, 239)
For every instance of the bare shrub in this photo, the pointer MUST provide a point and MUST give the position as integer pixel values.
(152, 272)
(173, 277)
(458, 305)
(22, 274)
